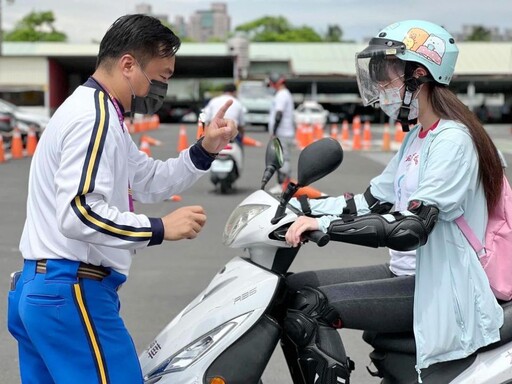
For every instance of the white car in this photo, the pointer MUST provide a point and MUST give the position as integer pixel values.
(311, 112)
(24, 118)
(257, 99)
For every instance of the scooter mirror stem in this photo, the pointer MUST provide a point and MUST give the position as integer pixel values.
(285, 198)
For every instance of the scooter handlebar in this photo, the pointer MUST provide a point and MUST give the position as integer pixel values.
(317, 237)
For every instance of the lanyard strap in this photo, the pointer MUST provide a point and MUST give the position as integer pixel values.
(114, 101)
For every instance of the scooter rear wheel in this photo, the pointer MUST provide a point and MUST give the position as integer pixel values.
(225, 186)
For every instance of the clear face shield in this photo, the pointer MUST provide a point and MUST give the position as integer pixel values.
(377, 67)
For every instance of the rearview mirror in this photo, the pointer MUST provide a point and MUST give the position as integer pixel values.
(315, 161)
(273, 160)
(318, 160)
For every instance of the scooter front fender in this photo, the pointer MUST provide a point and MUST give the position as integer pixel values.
(240, 290)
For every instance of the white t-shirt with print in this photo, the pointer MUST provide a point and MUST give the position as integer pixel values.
(406, 182)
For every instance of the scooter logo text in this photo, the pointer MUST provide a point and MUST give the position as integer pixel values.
(244, 295)
(153, 349)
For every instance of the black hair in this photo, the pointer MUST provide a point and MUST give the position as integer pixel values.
(447, 106)
(230, 87)
(142, 36)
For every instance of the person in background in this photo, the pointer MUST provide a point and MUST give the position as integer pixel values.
(482, 112)
(81, 230)
(447, 166)
(235, 112)
(281, 125)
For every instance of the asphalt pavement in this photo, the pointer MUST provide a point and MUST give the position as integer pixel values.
(164, 278)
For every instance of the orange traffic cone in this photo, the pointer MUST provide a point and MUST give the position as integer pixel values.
(250, 142)
(334, 131)
(146, 123)
(16, 145)
(182, 139)
(399, 133)
(31, 141)
(2, 154)
(308, 135)
(300, 136)
(150, 140)
(318, 131)
(356, 128)
(386, 139)
(155, 121)
(145, 147)
(345, 134)
(200, 130)
(136, 125)
(309, 191)
(367, 135)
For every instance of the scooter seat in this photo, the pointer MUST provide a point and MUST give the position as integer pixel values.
(404, 342)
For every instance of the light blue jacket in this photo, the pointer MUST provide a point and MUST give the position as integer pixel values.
(455, 311)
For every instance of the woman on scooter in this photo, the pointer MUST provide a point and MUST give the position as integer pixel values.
(447, 166)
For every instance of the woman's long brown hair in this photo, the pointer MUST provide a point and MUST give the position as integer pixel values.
(447, 106)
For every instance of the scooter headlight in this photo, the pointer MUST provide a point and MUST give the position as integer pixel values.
(239, 219)
(193, 352)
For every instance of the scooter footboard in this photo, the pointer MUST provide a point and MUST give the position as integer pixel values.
(245, 360)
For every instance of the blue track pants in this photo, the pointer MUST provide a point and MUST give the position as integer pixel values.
(69, 329)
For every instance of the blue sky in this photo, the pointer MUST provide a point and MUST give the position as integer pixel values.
(84, 20)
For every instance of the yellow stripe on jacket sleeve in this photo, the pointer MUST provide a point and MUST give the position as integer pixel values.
(87, 181)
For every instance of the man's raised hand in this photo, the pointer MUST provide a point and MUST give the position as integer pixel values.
(220, 131)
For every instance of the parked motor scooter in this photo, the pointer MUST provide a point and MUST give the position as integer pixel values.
(228, 333)
(228, 165)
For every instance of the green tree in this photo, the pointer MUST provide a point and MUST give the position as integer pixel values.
(479, 33)
(36, 26)
(277, 29)
(334, 33)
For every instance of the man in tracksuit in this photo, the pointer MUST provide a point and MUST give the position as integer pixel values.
(81, 232)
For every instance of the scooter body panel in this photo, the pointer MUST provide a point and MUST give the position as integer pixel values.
(222, 167)
(240, 288)
(490, 367)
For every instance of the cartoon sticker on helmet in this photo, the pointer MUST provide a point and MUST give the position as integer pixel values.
(428, 45)
(415, 38)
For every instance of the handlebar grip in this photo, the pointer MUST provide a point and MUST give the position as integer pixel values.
(317, 237)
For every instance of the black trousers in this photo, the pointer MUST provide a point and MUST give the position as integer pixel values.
(367, 298)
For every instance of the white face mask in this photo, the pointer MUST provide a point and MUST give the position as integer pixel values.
(390, 102)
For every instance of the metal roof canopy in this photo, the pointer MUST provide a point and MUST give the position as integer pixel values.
(327, 66)
(186, 66)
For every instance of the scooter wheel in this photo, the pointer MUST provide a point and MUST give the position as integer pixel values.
(225, 187)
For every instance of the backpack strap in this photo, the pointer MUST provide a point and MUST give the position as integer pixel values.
(470, 235)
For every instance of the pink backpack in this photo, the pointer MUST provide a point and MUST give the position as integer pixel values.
(496, 256)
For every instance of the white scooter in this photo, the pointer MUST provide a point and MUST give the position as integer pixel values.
(228, 165)
(228, 333)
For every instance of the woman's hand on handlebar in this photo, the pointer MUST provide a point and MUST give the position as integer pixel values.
(301, 225)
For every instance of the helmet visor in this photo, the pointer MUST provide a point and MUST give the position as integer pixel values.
(376, 67)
